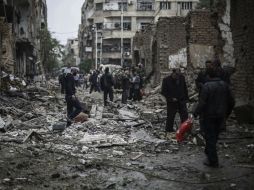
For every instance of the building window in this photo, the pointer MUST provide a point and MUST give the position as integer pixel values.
(98, 6)
(127, 25)
(165, 5)
(99, 26)
(145, 5)
(186, 5)
(143, 25)
(124, 6)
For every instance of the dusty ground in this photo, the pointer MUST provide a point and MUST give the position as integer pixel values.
(136, 157)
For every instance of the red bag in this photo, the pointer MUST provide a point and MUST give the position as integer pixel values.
(142, 92)
(184, 128)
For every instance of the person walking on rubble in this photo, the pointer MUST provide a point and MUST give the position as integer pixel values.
(175, 91)
(203, 78)
(125, 87)
(61, 81)
(215, 104)
(73, 104)
(94, 82)
(107, 84)
(136, 86)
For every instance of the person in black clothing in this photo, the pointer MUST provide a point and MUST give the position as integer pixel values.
(125, 87)
(94, 82)
(202, 76)
(107, 84)
(61, 81)
(221, 72)
(215, 104)
(73, 105)
(136, 87)
(175, 91)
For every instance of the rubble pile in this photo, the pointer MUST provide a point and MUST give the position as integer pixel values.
(119, 147)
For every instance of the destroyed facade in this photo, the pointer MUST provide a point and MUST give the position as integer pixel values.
(21, 22)
(106, 17)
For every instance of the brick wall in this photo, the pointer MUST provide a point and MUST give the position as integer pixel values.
(171, 37)
(144, 43)
(202, 38)
(242, 22)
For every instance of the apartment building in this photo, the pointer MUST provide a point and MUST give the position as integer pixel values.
(72, 49)
(100, 31)
(21, 22)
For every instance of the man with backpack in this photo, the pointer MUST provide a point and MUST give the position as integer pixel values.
(107, 85)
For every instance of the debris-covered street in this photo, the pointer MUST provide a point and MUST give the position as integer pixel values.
(119, 147)
(126, 95)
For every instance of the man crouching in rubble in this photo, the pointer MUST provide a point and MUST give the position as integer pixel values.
(175, 91)
(215, 104)
(71, 99)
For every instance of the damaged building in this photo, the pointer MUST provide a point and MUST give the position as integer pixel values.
(21, 23)
(225, 31)
(100, 31)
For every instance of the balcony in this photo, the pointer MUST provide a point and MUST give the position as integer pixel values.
(115, 5)
(145, 5)
(117, 26)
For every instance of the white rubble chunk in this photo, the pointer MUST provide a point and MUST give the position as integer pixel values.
(125, 114)
(2, 123)
(102, 139)
(144, 136)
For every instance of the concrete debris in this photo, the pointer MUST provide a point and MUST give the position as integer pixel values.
(32, 134)
(142, 135)
(117, 153)
(127, 115)
(137, 156)
(100, 140)
(2, 125)
(59, 126)
(123, 143)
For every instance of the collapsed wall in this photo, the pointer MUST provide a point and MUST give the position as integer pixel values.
(7, 54)
(202, 38)
(171, 40)
(242, 16)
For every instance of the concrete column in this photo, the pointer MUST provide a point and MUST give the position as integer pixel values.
(133, 23)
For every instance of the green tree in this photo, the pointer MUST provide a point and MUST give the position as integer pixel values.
(51, 51)
(86, 66)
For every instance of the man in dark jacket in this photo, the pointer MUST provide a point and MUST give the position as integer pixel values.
(175, 91)
(125, 87)
(107, 84)
(94, 82)
(71, 99)
(61, 81)
(215, 104)
(202, 76)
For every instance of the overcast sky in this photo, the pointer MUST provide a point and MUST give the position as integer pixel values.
(64, 17)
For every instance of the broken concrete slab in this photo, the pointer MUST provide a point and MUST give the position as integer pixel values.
(100, 140)
(59, 126)
(2, 125)
(144, 136)
(125, 114)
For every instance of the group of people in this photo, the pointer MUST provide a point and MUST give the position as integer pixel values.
(215, 104)
(131, 88)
